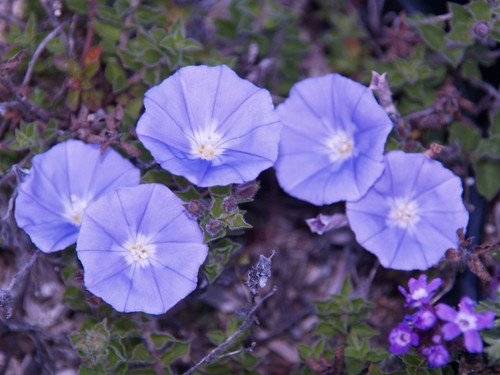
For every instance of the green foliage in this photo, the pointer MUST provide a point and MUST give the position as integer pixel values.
(243, 362)
(342, 321)
(122, 346)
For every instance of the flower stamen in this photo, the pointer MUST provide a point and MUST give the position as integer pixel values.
(341, 146)
(139, 251)
(404, 213)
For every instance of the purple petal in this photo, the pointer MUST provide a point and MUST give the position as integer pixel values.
(402, 218)
(446, 313)
(62, 181)
(320, 111)
(473, 342)
(212, 107)
(164, 270)
(450, 331)
(485, 320)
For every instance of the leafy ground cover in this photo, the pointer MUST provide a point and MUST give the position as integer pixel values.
(276, 294)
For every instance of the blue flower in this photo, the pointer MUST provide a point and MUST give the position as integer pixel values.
(140, 250)
(61, 183)
(332, 142)
(210, 126)
(410, 216)
(437, 355)
(419, 292)
(402, 338)
(465, 321)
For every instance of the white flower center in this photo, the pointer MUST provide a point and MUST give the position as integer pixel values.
(139, 251)
(466, 322)
(75, 209)
(419, 294)
(404, 213)
(403, 338)
(206, 144)
(341, 146)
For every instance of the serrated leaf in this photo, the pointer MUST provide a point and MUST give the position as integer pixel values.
(433, 34)
(26, 137)
(460, 14)
(481, 10)
(141, 353)
(219, 254)
(188, 194)
(176, 350)
(160, 339)
(220, 190)
(237, 221)
(461, 34)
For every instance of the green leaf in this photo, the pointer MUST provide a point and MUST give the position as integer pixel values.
(460, 14)
(481, 10)
(115, 75)
(237, 221)
(188, 194)
(141, 353)
(495, 123)
(461, 34)
(467, 136)
(489, 148)
(176, 350)
(106, 30)
(219, 254)
(493, 350)
(160, 339)
(487, 177)
(26, 137)
(80, 6)
(433, 35)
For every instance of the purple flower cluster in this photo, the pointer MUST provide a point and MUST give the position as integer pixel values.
(439, 324)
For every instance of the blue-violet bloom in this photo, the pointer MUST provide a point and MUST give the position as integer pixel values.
(410, 216)
(148, 256)
(332, 142)
(425, 318)
(437, 356)
(401, 338)
(465, 321)
(420, 292)
(210, 126)
(62, 181)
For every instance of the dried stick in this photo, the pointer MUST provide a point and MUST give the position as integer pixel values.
(246, 323)
(39, 50)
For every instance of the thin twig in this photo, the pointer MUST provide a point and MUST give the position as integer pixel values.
(21, 272)
(39, 50)
(441, 17)
(246, 323)
(244, 350)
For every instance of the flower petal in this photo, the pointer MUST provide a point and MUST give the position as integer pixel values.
(202, 108)
(402, 220)
(62, 181)
(147, 258)
(332, 141)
